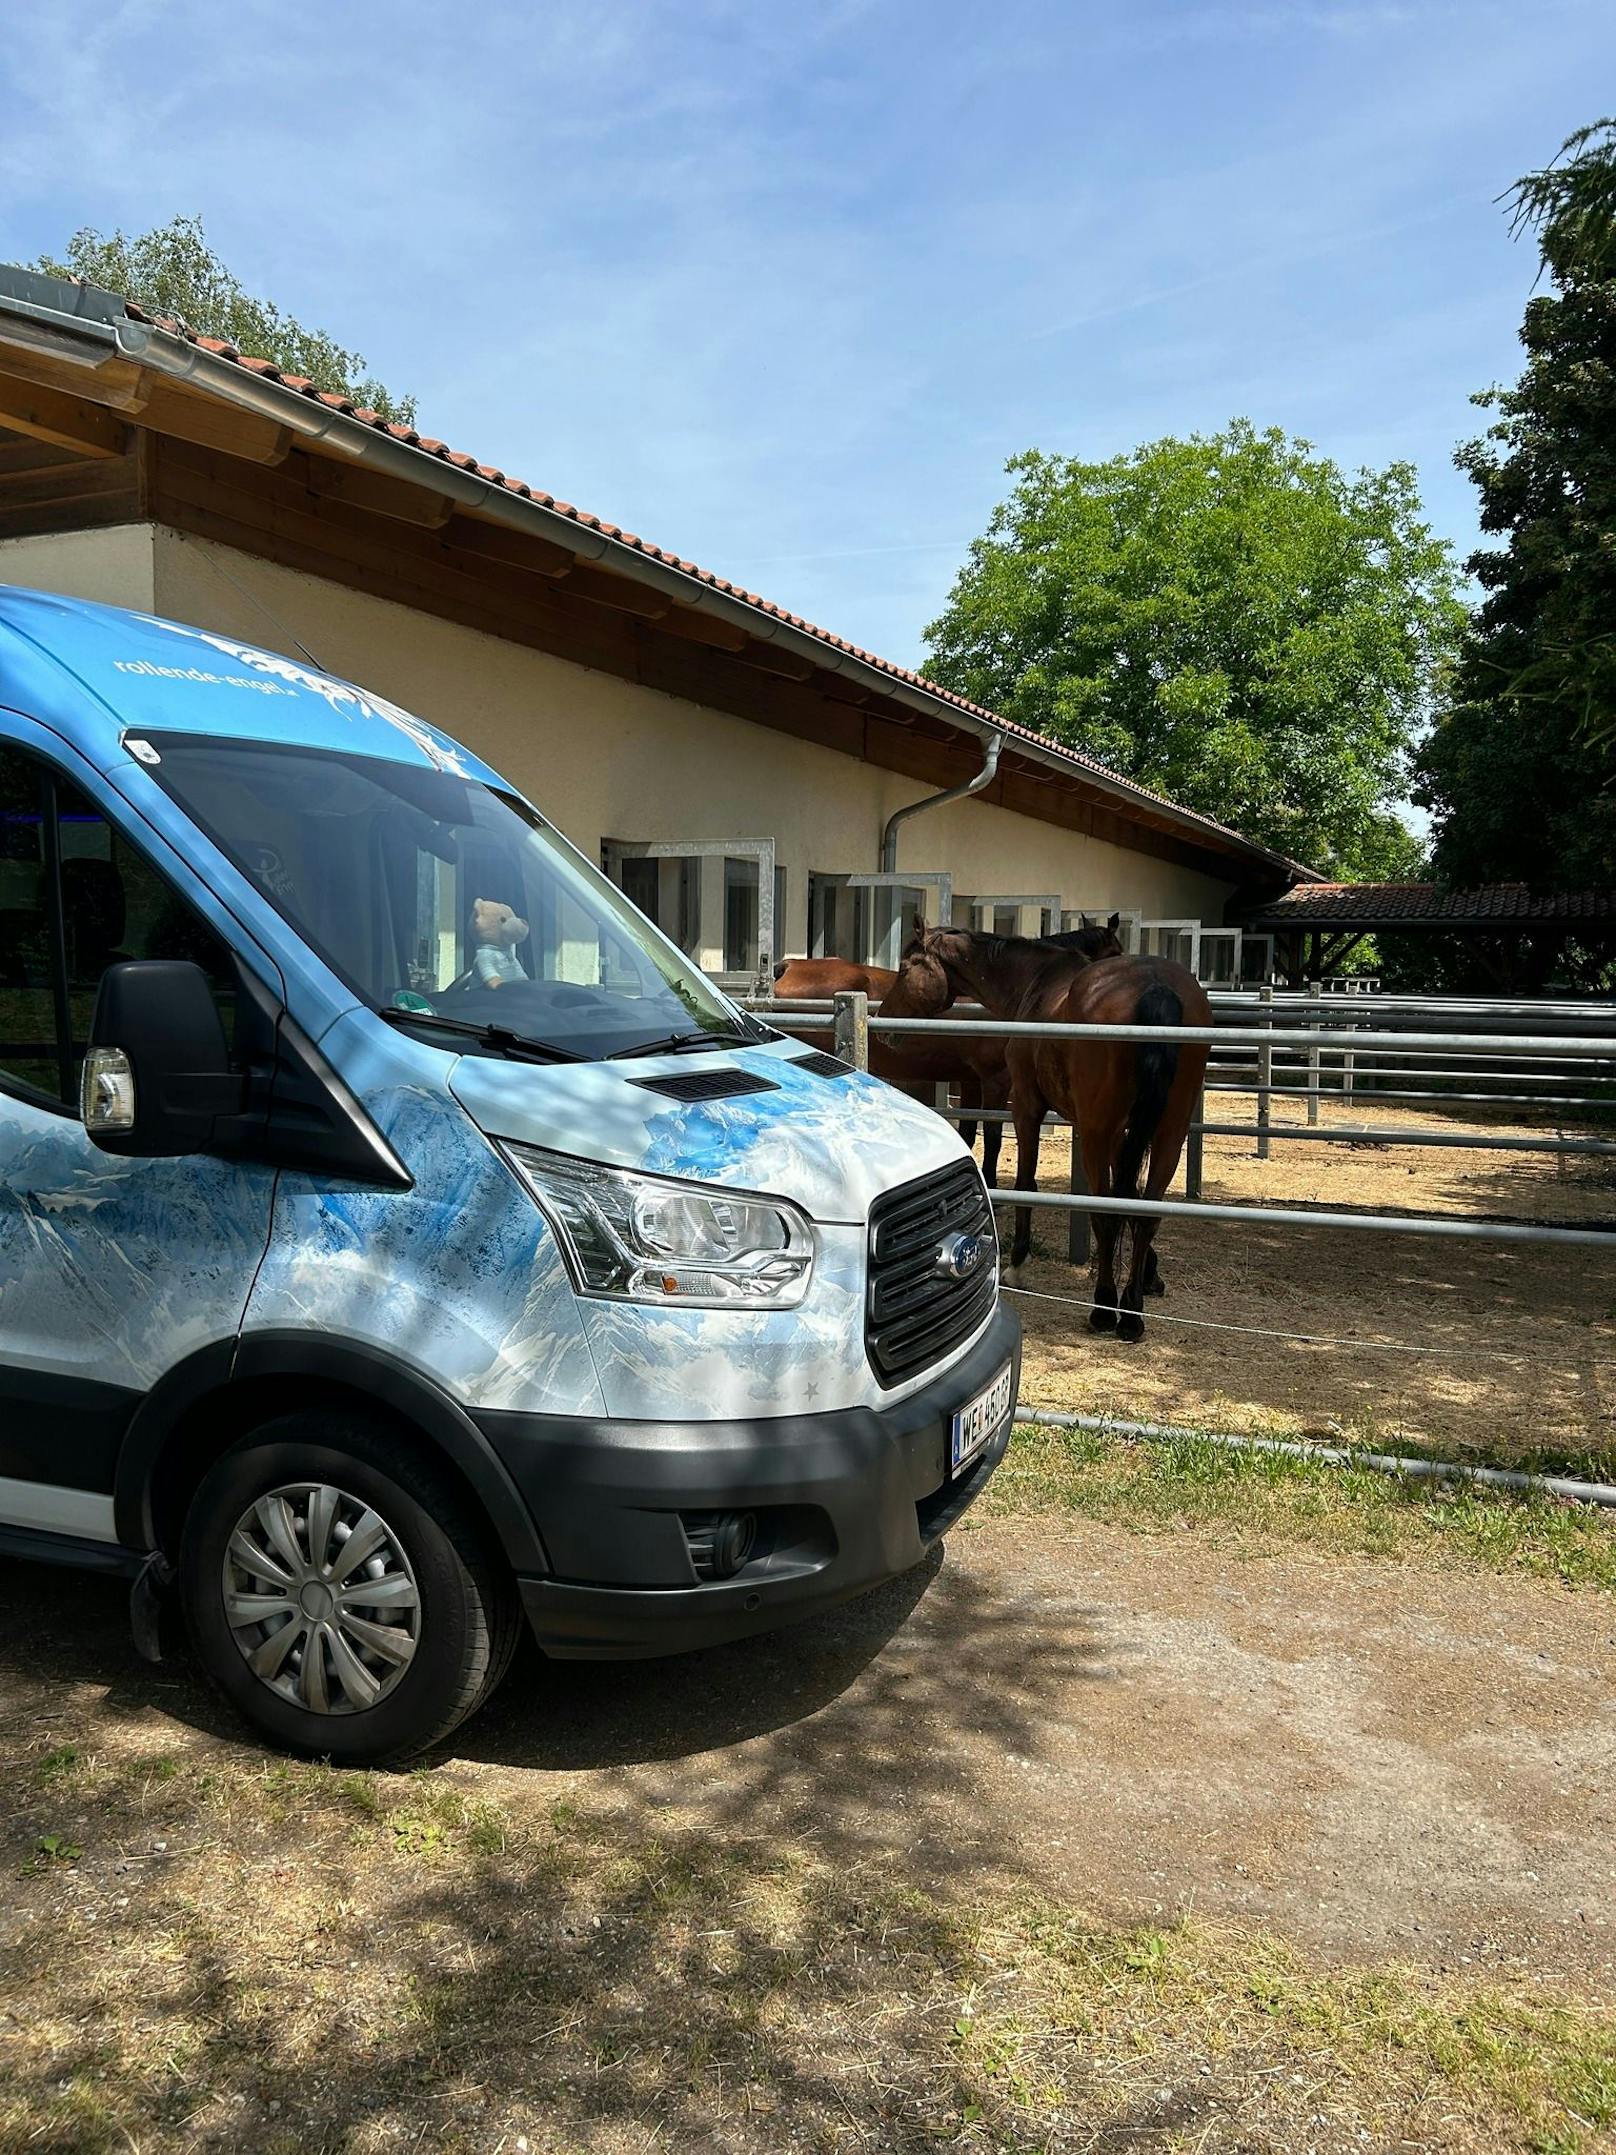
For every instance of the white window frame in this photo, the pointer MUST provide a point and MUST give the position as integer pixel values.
(1250, 942)
(614, 851)
(1191, 928)
(1129, 919)
(939, 880)
(1048, 903)
(1214, 935)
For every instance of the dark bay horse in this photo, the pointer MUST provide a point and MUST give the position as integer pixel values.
(1123, 1098)
(977, 1067)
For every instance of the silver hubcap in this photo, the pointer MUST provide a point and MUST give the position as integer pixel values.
(321, 1597)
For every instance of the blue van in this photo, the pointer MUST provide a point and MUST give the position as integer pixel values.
(399, 1237)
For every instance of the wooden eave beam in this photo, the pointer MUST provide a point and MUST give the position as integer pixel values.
(372, 491)
(768, 658)
(65, 422)
(467, 533)
(210, 424)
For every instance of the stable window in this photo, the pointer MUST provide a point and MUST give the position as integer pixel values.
(1256, 959)
(1095, 916)
(740, 916)
(1179, 940)
(1219, 965)
(718, 899)
(867, 919)
(1017, 913)
(667, 892)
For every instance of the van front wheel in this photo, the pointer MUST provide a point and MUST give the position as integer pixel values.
(338, 1594)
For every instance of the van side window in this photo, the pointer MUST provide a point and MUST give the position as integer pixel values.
(76, 897)
(29, 985)
(115, 905)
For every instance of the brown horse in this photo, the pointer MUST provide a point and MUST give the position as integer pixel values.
(813, 979)
(977, 1067)
(1122, 1098)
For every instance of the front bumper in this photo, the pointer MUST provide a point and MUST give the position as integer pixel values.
(843, 1500)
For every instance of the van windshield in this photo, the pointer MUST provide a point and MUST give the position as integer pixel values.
(434, 896)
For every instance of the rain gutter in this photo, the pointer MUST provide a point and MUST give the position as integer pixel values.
(93, 329)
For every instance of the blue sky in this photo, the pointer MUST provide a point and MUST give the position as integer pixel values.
(782, 287)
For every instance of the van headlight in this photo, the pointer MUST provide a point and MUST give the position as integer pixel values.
(642, 1239)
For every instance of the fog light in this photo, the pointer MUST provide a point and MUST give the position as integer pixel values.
(720, 1542)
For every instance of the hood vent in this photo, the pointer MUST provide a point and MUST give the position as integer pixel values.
(706, 1084)
(823, 1065)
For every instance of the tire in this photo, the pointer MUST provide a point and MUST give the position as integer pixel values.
(393, 1650)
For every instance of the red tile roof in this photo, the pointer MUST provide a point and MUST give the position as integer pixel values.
(1427, 905)
(302, 386)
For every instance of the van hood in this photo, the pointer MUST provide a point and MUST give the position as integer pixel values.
(830, 1144)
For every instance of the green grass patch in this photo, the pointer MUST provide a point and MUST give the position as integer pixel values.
(1262, 1502)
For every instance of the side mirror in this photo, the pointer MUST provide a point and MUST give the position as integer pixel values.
(157, 1078)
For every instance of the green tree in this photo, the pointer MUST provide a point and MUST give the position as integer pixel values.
(172, 270)
(1519, 774)
(1229, 619)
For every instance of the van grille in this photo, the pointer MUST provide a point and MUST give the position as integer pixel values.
(915, 1314)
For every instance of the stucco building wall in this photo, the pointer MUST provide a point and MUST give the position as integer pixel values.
(604, 757)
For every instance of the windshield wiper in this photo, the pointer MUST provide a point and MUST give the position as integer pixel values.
(673, 1043)
(488, 1036)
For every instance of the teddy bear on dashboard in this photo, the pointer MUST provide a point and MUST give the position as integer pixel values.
(496, 934)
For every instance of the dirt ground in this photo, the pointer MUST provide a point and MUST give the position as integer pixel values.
(1400, 1768)
(1518, 1341)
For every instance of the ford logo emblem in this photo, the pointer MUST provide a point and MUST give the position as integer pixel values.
(959, 1255)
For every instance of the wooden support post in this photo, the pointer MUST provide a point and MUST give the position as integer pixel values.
(850, 1022)
(1313, 1061)
(1265, 1074)
(1195, 1152)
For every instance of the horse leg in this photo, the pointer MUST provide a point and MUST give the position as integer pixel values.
(1027, 1112)
(992, 1095)
(970, 1096)
(1097, 1152)
(1166, 1144)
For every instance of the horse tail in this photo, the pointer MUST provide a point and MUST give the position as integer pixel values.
(1158, 1066)
(781, 965)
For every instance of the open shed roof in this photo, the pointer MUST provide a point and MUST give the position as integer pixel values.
(1492, 907)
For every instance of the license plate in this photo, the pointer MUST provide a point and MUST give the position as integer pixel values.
(981, 1419)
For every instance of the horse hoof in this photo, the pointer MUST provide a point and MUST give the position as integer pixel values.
(1102, 1318)
(1130, 1326)
(1010, 1275)
(1156, 1286)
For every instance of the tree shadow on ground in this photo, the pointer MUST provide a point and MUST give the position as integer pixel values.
(692, 1899)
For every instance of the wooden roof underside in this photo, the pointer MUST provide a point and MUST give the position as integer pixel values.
(145, 449)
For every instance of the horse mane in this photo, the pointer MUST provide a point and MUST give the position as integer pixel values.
(997, 949)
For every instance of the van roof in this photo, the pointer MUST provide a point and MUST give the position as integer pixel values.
(97, 673)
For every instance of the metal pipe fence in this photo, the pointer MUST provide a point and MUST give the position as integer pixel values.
(1346, 1133)
(853, 1025)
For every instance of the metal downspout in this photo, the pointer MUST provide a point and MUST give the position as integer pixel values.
(984, 777)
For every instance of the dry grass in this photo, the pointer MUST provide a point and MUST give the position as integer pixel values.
(281, 1958)
(1518, 1342)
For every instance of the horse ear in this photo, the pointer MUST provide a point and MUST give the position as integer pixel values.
(919, 933)
(1115, 923)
